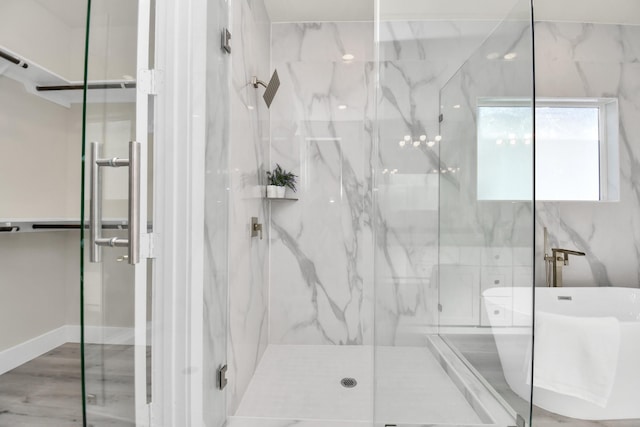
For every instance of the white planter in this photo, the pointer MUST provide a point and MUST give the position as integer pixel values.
(281, 191)
(272, 191)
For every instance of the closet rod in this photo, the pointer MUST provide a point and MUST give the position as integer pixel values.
(76, 226)
(89, 86)
(13, 59)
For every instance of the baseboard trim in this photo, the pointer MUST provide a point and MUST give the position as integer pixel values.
(19, 354)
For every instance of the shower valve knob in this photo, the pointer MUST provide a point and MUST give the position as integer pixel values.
(256, 227)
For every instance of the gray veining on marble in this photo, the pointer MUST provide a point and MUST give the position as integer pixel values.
(321, 257)
(416, 60)
(321, 262)
(248, 161)
(595, 60)
(216, 274)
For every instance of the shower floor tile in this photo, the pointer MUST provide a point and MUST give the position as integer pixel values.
(303, 382)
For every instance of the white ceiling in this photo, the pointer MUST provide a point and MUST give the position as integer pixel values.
(320, 10)
(600, 11)
(603, 11)
(122, 12)
(74, 12)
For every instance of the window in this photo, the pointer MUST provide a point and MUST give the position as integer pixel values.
(576, 150)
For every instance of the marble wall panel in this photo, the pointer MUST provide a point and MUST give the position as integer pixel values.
(498, 232)
(314, 261)
(216, 215)
(595, 60)
(248, 154)
(416, 61)
(321, 245)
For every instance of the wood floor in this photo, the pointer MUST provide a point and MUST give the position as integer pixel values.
(47, 390)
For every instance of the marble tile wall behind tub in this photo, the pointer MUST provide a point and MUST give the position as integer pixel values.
(483, 243)
(321, 245)
(248, 154)
(595, 60)
(416, 60)
(216, 215)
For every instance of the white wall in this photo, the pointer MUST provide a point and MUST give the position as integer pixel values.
(112, 51)
(33, 32)
(40, 178)
(33, 167)
(57, 42)
(35, 268)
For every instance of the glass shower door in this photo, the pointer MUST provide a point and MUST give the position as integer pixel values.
(486, 221)
(116, 264)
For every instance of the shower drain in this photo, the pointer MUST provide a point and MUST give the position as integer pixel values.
(349, 382)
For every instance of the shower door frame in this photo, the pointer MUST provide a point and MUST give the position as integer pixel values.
(179, 129)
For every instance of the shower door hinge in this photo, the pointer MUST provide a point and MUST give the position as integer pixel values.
(153, 242)
(149, 241)
(149, 81)
(225, 42)
(441, 118)
(440, 308)
(222, 377)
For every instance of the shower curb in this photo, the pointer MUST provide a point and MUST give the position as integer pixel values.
(489, 409)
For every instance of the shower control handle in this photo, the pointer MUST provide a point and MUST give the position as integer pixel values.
(256, 227)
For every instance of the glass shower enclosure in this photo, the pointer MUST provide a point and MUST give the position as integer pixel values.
(486, 220)
(454, 232)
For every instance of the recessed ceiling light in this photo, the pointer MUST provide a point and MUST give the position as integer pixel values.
(407, 138)
(510, 55)
(423, 138)
(348, 57)
(456, 106)
(438, 138)
(250, 107)
(402, 143)
(431, 143)
(416, 143)
(342, 107)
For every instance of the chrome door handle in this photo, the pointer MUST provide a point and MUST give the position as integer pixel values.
(95, 206)
(134, 202)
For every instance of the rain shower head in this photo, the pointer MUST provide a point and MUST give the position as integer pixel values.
(272, 87)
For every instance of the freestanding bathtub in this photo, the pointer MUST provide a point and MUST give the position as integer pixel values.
(509, 311)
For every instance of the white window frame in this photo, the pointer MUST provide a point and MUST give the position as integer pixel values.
(608, 138)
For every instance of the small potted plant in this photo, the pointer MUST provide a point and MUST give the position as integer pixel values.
(279, 180)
